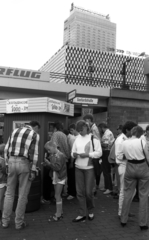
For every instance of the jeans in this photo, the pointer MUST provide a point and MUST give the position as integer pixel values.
(18, 173)
(85, 180)
(134, 173)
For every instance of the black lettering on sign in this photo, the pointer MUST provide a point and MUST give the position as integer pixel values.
(16, 73)
(35, 75)
(2, 70)
(25, 73)
(9, 71)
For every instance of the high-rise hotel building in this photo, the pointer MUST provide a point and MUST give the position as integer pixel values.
(88, 29)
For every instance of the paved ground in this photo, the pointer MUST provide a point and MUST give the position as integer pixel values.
(105, 226)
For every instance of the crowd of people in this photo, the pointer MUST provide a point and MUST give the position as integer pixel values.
(74, 161)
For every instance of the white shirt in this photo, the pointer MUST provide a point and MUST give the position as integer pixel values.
(83, 144)
(132, 148)
(107, 138)
(118, 149)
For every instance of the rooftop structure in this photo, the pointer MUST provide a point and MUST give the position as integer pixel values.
(84, 28)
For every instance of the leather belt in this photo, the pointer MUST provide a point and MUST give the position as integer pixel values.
(136, 161)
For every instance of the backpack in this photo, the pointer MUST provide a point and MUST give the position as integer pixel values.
(112, 157)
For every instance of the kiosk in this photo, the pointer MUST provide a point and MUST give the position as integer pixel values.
(18, 112)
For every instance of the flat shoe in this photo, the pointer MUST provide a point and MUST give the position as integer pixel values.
(123, 224)
(22, 226)
(131, 215)
(82, 219)
(91, 217)
(144, 227)
(56, 219)
(4, 226)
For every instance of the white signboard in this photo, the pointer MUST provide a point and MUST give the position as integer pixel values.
(59, 107)
(16, 105)
(54, 105)
(71, 95)
(85, 100)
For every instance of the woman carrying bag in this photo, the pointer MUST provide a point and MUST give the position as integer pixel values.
(82, 151)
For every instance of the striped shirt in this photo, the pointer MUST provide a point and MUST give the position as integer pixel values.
(23, 142)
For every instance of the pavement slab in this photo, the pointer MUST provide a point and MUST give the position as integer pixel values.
(105, 226)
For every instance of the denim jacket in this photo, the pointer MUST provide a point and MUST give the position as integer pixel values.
(3, 175)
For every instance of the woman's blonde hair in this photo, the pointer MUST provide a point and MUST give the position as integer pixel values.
(50, 144)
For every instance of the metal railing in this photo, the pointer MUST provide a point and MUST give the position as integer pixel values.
(99, 82)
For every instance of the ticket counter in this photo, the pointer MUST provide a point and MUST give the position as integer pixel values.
(18, 112)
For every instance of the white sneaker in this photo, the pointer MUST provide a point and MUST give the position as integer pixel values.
(70, 197)
(107, 191)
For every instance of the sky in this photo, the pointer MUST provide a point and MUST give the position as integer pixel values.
(32, 30)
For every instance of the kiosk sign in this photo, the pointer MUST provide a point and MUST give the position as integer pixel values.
(59, 107)
(16, 105)
(54, 105)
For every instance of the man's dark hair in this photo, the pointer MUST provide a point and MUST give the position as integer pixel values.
(88, 116)
(34, 124)
(102, 125)
(66, 132)
(73, 126)
(128, 126)
(147, 128)
(137, 131)
(58, 126)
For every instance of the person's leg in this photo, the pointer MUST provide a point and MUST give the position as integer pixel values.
(58, 190)
(104, 169)
(71, 182)
(2, 195)
(121, 171)
(23, 169)
(10, 192)
(129, 188)
(80, 188)
(107, 170)
(143, 194)
(117, 178)
(89, 184)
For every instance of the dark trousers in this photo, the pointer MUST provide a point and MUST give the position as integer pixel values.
(71, 180)
(48, 189)
(106, 170)
(98, 175)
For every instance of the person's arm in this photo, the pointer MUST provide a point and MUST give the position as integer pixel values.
(111, 139)
(6, 154)
(97, 153)
(33, 151)
(118, 152)
(56, 163)
(145, 148)
(74, 150)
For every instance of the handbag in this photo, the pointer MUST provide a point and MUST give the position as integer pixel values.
(144, 153)
(95, 161)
